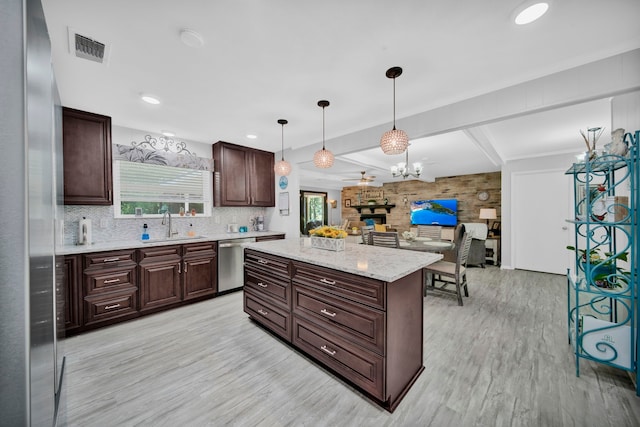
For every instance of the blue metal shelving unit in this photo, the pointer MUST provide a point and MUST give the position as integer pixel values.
(602, 312)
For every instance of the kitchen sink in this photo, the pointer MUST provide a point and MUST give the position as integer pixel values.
(174, 239)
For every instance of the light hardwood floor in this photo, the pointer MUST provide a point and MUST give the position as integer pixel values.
(501, 359)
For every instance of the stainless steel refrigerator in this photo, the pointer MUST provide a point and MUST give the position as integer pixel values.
(30, 155)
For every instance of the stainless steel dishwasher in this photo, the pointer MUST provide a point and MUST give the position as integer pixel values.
(231, 264)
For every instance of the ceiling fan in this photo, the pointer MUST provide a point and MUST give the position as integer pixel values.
(363, 180)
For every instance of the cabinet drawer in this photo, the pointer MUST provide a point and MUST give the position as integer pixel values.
(271, 286)
(355, 288)
(204, 249)
(354, 322)
(109, 306)
(159, 253)
(275, 319)
(267, 263)
(109, 259)
(109, 280)
(363, 368)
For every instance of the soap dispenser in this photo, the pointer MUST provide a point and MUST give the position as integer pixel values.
(145, 232)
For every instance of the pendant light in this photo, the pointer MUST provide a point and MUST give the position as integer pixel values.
(394, 141)
(323, 158)
(282, 167)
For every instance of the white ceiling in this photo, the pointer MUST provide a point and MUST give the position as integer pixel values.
(266, 60)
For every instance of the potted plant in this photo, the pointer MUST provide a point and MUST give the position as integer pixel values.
(605, 272)
(371, 202)
(329, 238)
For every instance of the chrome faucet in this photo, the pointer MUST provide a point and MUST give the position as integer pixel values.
(170, 231)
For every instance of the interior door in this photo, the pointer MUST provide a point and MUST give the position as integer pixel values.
(541, 204)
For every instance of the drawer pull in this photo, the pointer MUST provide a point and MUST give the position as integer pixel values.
(185, 266)
(109, 307)
(327, 281)
(326, 350)
(262, 285)
(108, 282)
(111, 259)
(179, 268)
(263, 261)
(328, 313)
(261, 311)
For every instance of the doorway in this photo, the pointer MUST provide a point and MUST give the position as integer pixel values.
(313, 210)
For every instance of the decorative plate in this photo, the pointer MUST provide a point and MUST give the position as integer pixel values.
(283, 182)
(483, 195)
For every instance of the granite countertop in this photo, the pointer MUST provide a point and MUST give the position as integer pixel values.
(379, 263)
(137, 243)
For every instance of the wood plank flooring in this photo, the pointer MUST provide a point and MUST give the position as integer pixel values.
(500, 360)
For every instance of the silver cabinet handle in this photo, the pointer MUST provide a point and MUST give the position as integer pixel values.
(328, 313)
(179, 268)
(185, 266)
(326, 350)
(109, 307)
(111, 259)
(108, 282)
(327, 281)
(262, 285)
(263, 261)
(261, 311)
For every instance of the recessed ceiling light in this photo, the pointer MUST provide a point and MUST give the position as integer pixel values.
(167, 133)
(151, 99)
(251, 136)
(191, 38)
(529, 11)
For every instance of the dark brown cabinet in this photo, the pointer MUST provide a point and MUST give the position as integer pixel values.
(160, 277)
(109, 287)
(72, 293)
(368, 331)
(271, 237)
(200, 270)
(86, 147)
(243, 176)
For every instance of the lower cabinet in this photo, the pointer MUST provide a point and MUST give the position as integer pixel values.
(160, 277)
(367, 331)
(103, 288)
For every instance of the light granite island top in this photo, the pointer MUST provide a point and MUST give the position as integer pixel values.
(376, 262)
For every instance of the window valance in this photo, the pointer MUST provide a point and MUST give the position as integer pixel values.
(161, 151)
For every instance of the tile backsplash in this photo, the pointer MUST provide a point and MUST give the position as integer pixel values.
(106, 228)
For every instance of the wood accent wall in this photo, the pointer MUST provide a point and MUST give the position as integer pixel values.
(465, 188)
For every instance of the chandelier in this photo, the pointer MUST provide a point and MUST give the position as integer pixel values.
(323, 158)
(394, 141)
(282, 167)
(402, 168)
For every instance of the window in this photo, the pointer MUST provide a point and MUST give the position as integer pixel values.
(155, 188)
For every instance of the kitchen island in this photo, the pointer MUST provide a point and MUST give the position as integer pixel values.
(357, 312)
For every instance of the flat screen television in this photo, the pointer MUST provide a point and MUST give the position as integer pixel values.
(435, 212)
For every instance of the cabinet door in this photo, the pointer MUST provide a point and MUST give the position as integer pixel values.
(72, 295)
(231, 177)
(86, 147)
(262, 179)
(160, 271)
(199, 277)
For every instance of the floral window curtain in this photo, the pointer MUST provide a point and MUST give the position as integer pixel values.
(161, 151)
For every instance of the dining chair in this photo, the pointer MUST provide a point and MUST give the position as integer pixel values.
(452, 254)
(431, 231)
(388, 239)
(366, 229)
(441, 274)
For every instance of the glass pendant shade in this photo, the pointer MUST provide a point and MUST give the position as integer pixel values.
(323, 159)
(394, 142)
(282, 168)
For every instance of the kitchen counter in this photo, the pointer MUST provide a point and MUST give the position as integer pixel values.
(376, 262)
(137, 243)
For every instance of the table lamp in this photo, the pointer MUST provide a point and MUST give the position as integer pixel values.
(488, 214)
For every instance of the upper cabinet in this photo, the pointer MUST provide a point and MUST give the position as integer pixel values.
(87, 158)
(243, 176)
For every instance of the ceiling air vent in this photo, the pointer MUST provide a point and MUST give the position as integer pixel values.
(87, 48)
